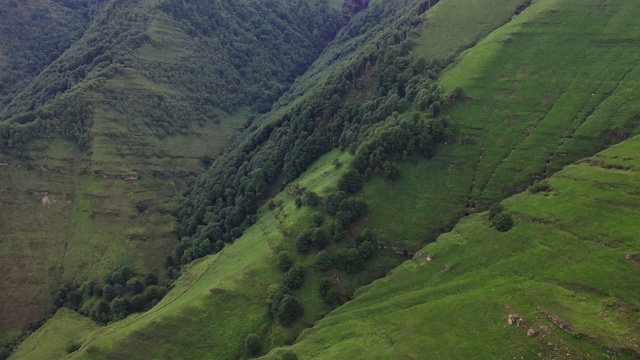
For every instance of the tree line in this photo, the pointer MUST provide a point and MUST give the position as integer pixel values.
(221, 202)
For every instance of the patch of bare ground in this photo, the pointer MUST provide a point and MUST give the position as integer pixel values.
(604, 165)
(557, 321)
(632, 257)
(399, 250)
(535, 220)
(585, 289)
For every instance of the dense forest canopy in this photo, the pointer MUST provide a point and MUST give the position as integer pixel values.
(34, 35)
(250, 56)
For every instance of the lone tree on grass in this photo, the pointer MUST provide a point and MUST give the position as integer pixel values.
(290, 310)
(252, 343)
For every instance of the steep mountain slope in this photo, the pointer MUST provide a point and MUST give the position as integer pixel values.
(231, 287)
(98, 143)
(539, 96)
(569, 263)
(521, 98)
(566, 276)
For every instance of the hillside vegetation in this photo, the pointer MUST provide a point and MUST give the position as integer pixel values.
(282, 232)
(565, 274)
(572, 234)
(414, 120)
(98, 140)
(34, 34)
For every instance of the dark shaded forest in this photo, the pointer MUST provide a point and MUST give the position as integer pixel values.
(248, 57)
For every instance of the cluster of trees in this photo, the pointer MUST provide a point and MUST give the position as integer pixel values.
(54, 103)
(221, 202)
(251, 51)
(32, 38)
(396, 139)
(121, 292)
(69, 117)
(351, 260)
(283, 305)
(241, 53)
(342, 209)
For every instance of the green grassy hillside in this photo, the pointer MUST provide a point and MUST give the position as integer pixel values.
(538, 93)
(96, 145)
(512, 132)
(539, 96)
(123, 339)
(217, 301)
(568, 268)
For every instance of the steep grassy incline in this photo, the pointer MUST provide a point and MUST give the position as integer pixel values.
(545, 94)
(215, 303)
(542, 91)
(221, 298)
(568, 269)
(122, 119)
(570, 262)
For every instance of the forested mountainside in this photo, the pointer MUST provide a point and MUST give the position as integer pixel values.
(34, 34)
(365, 210)
(108, 108)
(229, 63)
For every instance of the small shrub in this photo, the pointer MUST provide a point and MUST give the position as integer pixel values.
(295, 277)
(502, 222)
(391, 171)
(332, 204)
(120, 307)
(284, 261)
(100, 311)
(141, 206)
(323, 261)
(154, 292)
(127, 273)
(541, 186)
(320, 238)
(350, 182)
(90, 288)
(72, 346)
(108, 292)
(495, 210)
(317, 219)
(138, 302)
(135, 286)
(366, 250)
(252, 344)
(117, 278)
(290, 310)
(304, 241)
(310, 199)
(151, 279)
(288, 355)
(108, 278)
